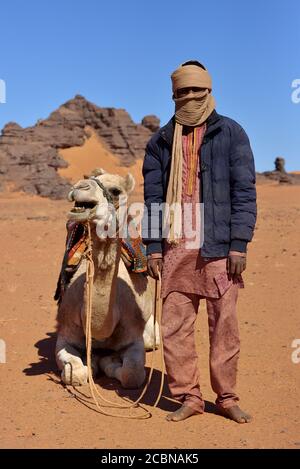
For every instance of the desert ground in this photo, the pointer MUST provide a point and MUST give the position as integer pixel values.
(37, 411)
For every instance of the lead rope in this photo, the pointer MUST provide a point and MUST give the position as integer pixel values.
(90, 270)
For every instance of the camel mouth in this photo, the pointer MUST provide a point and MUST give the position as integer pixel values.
(82, 211)
(81, 206)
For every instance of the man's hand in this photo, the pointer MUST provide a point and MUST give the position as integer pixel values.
(154, 265)
(236, 263)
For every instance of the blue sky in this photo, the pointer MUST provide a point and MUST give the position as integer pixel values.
(121, 53)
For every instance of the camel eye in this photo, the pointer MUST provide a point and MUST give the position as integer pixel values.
(114, 191)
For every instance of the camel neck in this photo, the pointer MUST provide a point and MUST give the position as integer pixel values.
(106, 257)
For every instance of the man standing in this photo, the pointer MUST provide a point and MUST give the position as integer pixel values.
(199, 159)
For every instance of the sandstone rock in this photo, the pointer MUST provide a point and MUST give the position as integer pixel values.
(280, 164)
(278, 174)
(29, 157)
(151, 122)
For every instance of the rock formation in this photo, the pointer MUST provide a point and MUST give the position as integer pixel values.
(29, 157)
(279, 173)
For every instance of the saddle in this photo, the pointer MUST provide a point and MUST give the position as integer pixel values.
(133, 253)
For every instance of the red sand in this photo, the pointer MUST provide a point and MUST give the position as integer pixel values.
(37, 412)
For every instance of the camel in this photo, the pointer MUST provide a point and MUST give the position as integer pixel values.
(122, 301)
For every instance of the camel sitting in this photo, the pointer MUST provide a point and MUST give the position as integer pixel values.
(122, 301)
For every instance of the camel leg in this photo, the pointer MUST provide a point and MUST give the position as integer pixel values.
(95, 367)
(68, 359)
(128, 366)
(148, 334)
(132, 373)
(110, 364)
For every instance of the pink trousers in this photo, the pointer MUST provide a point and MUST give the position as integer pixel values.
(178, 330)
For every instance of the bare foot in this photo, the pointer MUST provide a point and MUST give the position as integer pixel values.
(236, 414)
(181, 414)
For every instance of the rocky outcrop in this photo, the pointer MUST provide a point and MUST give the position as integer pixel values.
(29, 157)
(151, 122)
(279, 174)
(115, 126)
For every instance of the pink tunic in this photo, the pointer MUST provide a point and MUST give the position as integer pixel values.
(185, 270)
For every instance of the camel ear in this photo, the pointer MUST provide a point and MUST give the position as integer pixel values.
(129, 183)
(96, 172)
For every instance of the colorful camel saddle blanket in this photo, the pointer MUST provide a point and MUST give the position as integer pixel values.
(133, 253)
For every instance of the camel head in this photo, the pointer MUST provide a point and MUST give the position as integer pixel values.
(97, 195)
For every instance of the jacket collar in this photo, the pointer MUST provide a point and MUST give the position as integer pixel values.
(213, 122)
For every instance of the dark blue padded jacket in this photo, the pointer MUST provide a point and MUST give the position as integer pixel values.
(227, 185)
